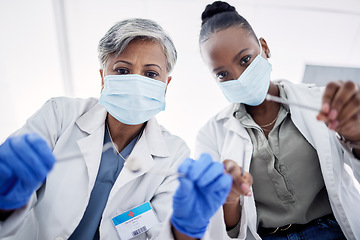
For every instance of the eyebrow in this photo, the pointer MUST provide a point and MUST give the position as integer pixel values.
(128, 63)
(234, 59)
(146, 65)
(153, 65)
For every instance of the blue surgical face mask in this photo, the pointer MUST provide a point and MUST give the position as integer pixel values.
(132, 99)
(252, 85)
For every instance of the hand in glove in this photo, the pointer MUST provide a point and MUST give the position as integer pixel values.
(200, 194)
(24, 163)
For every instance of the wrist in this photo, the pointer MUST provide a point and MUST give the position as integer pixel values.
(232, 201)
(190, 230)
(232, 213)
(179, 235)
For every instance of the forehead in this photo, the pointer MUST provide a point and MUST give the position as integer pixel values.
(146, 51)
(225, 44)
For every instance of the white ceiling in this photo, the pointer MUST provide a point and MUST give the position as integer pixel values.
(321, 32)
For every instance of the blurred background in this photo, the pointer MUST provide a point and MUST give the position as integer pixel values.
(48, 48)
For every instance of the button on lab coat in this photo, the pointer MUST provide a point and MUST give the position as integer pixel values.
(74, 129)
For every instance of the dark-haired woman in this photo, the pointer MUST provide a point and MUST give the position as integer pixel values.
(305, 164)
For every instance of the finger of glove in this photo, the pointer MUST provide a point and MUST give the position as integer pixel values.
(214, 171)
(184, 189)
(26, 163)
(17, 197)
(12, 161)
(185, 166)
(7, 179)
(199, 167)
(40, 146)
(220, 188)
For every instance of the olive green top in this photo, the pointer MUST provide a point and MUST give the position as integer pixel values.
(288, 183)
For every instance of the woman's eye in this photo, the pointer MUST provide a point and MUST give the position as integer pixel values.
(151, 74)
(245, 60)
(122, 71)
(221, 75)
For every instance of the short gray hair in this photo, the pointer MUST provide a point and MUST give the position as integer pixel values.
(122, 33)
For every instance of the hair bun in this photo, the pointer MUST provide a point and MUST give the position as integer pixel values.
(216, 8)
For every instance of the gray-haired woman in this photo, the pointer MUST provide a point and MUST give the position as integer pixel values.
(88, 194)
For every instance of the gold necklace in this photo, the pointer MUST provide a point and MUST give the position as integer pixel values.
(115, 146)
(269, 124)
(266, 130)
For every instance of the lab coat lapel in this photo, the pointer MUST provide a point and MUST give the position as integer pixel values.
(93, 123)
(236, 135)
(233, 149)
(231, 123)
(315, 132)
(151, 144)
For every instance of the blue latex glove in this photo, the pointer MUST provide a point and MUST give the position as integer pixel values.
(24, 163)
(200, 194)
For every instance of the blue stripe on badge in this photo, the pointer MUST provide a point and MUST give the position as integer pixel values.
(131, 213)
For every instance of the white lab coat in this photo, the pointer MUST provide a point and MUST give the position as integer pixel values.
(74, 129)
(223, 138)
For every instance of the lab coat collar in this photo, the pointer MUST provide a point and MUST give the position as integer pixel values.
(227, 112)
(155, 139)
(230, 122)
(93, 119)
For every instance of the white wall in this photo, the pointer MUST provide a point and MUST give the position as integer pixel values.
(322, 32)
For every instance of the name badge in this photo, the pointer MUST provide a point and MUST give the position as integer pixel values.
(135, 221)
